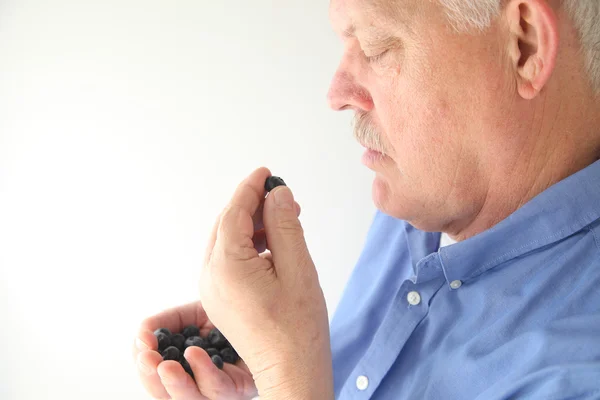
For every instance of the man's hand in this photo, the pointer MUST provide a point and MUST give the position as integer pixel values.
(270, 306)
(168, 380)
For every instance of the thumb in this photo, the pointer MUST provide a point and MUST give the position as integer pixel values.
(285, 236)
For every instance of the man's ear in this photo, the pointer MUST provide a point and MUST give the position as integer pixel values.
(533, 44)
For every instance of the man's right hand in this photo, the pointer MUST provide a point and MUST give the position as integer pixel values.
(168, 380)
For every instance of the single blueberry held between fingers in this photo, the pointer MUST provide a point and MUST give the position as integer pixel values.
(164, 341)
(195, 341)
(272, 182)
(229, 355)
(212, 352)
(171, 353)
(190, 330)
(218, 361)
(178, 341)
(216, 339)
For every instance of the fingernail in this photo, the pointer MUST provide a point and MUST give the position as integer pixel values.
(284, 198)
(141, 345)
(144, 368)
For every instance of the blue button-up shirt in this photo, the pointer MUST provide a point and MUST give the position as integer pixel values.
(511, 313)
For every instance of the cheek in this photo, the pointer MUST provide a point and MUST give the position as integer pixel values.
(421, 127)
(418, 124)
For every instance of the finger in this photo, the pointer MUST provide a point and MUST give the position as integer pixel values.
(260, 237)
(258, 216)
(243, 382)
(284, 230)
(212, 382)
(234, 236)
(144, 340)
(257, 219)
(147, 363)
(258, 229)
(177, 382)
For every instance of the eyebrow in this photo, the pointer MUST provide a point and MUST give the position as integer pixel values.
(371, 31)
(372, 36)
(351, 31)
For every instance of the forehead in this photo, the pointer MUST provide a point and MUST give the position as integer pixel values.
(348, 15)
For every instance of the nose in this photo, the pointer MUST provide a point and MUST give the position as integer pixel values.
(346, 93)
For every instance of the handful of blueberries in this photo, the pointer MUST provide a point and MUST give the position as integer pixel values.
(172, 346)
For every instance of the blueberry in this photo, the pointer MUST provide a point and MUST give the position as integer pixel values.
(178, 340)
(186, 366)
(213, 352)
(171, 353)
(191, 330)
(229, 355)
(272, 182)
(164, 341)
(235, 353)
(216, 339)
(218, 361)
(195, 341)
(163, 331)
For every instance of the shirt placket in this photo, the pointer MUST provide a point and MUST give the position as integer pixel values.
(409, 308)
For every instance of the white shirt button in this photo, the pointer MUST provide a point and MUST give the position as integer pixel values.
(362, 382)
(455, 284)
(413, 298)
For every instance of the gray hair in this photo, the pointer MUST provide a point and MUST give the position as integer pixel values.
(466, 15)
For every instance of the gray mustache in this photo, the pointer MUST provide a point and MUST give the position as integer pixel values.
(366, 133)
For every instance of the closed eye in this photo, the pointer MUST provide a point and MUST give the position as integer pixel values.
(372, 59)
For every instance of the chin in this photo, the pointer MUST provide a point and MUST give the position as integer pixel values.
(380, 193)
(384, 200)
(404, 208)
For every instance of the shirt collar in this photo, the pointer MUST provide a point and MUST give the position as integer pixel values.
(560, 211)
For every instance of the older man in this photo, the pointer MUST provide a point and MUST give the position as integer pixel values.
(481, 119)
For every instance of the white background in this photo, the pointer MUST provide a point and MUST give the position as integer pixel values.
(125, 125)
